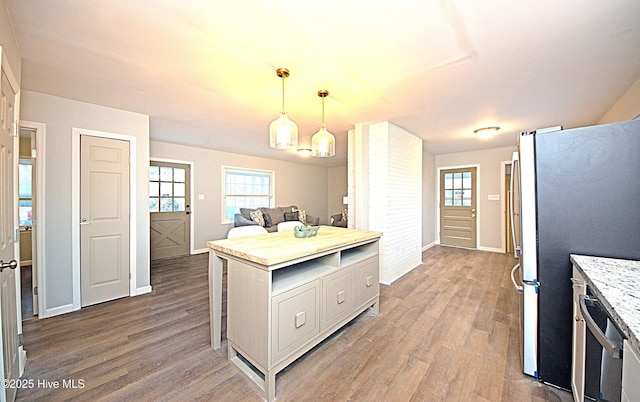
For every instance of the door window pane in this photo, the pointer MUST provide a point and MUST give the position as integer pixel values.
(154, 173)
(448, 181)
(166, 204)
(166, 189)
(166, 174)
(154, 189)
(154, 204)
(178, 175)
(178, 190)
(178, 204)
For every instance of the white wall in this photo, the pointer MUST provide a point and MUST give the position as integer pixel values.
(61, 115)
(298, 184)
(489, 182)
(391, 186)
(428, 200)
(626, 108)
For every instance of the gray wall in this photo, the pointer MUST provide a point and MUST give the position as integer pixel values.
(489, 182)
(428, 199)
(61, 115)
(337, 190)
(8, 42)
(296, 184)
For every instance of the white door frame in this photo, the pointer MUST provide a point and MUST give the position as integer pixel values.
(477, 196)
(75, 207)
(38, 254)
(503, 209)
(191, 190)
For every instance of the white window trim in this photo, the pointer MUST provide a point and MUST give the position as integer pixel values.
(223, 202)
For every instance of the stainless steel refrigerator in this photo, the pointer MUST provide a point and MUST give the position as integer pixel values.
(573, 192)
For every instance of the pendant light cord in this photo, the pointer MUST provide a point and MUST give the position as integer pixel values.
(282, 95)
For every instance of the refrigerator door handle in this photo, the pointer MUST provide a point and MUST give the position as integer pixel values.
(514, 163)
(519, 289)
(614, 350)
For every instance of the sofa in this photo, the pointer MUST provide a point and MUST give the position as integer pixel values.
(270, 217)
(339, 220)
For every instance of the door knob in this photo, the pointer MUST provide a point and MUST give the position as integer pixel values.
(11, 264)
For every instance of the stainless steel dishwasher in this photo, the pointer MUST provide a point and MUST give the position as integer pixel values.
(603, 352)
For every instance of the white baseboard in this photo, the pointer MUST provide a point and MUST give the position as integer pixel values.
(200, 251)
(428, 246)
(22, 355)
(143, 290)
(491, 249)
(387, 283)
(50, 312)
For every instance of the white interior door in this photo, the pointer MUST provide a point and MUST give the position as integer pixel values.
(104, 219)
(9, 285)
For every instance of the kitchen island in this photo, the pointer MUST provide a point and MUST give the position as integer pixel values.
(287, 294)
(616, 284)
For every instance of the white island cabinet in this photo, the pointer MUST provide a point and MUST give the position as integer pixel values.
(286, 294)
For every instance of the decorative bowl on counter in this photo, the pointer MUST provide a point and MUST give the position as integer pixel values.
(305, 231)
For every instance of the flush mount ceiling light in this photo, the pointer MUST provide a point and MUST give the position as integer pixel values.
(323, 143)
(304, 152)
(283, 133)
(486, 132)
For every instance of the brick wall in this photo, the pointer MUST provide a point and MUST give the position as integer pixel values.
(395, 198)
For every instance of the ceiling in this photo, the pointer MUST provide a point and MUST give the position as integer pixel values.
(204, 71)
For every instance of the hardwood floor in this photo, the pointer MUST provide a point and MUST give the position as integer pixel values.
(447, 331)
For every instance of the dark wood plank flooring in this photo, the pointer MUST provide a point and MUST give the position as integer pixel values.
(447, 331)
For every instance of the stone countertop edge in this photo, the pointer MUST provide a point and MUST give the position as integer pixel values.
(616, 283)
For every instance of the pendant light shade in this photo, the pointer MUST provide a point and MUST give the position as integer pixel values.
(283, 133)
(323, 143)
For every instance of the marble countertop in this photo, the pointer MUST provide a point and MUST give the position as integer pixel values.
(617, 284)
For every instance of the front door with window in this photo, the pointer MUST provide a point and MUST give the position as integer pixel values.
(169, 201)
(458, 207)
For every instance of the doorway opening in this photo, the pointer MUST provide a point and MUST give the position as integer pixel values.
(31, 213)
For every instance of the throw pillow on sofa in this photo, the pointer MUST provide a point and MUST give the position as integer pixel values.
(302, 215)
(246, 212)
(291, 216)
(257, 217)
(272, 216)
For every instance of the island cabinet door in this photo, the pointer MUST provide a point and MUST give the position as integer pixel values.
(337, 297)
(366, 278)
(295, 319)
(247, 310)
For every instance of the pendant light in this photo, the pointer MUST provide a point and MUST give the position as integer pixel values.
(323, 143)
(283, 133)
